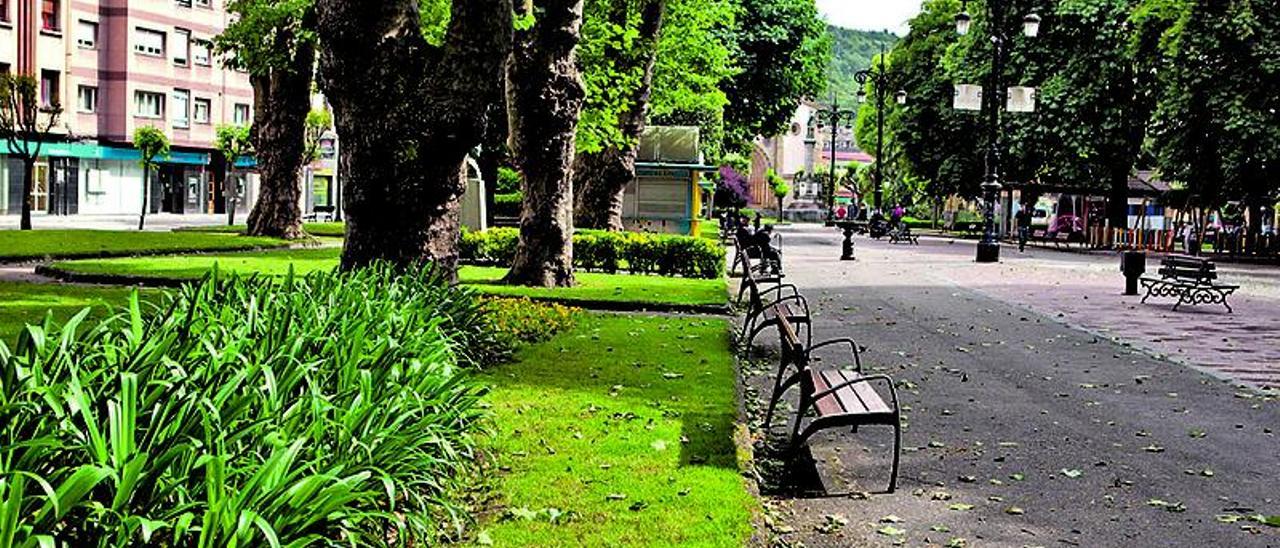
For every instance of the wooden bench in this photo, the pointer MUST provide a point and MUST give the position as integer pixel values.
(903, 234)
(766, 298)
(320, 213)
(1191, 279)
(837, 398)
(744, 252)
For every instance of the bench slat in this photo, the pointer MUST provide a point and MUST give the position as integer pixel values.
(867, 399)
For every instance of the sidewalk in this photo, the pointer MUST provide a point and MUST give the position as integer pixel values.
(160, 222)
(1023, 430)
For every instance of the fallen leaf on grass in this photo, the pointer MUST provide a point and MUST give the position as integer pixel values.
(833, 523)
(616, 496)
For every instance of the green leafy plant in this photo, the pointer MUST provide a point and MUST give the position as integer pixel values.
(151, 144)
(600, 251)
(332, 408)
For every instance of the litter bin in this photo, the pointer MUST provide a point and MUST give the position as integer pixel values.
(1133, 264)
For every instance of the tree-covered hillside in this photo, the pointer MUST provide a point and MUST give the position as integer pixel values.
(852, 51)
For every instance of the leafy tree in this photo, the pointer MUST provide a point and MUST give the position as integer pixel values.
(319, 120)
(544, 100)
(25, 125)
(619, 51)
(1216, 126)
(695, 58)
(783, 53)
(936, 143)
(733, 191)
(779, 187)
(234, 142)
(275, 42)
(151, 144)
(409, 107)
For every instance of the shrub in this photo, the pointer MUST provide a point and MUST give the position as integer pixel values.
(508, 181)
(516, 321)
(325, 410)
(600, 251)
(508, 205)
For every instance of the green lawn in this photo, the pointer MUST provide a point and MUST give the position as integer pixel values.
(327, 230)
(23, 303)
(40, 244)
(592, 287)
(619, 432)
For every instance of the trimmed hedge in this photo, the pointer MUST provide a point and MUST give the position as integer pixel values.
(610, 252)
(508, 205)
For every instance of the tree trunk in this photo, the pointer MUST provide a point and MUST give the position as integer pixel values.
(28, 184)
(544, 98)
(1118, 200)
(406, 114)
(601, 178)
(282, 99)
(146, 187)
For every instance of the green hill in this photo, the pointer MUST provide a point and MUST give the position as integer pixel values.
(852, 51)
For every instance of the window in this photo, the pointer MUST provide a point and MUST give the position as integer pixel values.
(49, 87)
(241, 113)
(148, 105)
(184, 3)
(51, 15)
(87, 99)
(4, 68)
(200, 52)
(87, 34)
(4, 11)
(181, 46)
(202, 109)
(181, 108)
(204, 3)
(148, 42)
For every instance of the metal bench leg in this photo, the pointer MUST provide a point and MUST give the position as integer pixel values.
(897, 452)
(1224, 303)
(779, 389)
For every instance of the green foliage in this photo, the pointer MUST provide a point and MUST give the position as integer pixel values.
(318, 121)
(330, 409)
(783, 53)
(63, 244)
(151, 144)
(435, 15)
(516, 321)
(777, 184)
(610, 252)
(695, 57)
(508, 180)
(233, 141)
(852, 51)
(265, 35)
(508, 204)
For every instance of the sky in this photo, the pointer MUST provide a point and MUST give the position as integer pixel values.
(889, 15)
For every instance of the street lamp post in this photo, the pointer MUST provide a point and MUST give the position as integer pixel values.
(994, 98)
(835, 117)
(880, 83)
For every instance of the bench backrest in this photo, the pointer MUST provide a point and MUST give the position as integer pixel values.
(1190, 269)
(794, 351)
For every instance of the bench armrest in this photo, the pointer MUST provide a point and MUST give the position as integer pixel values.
(853, 350)
(798, 298)
(893, 391)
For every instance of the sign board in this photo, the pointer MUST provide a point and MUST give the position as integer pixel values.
(1022, 99)
(968, 97)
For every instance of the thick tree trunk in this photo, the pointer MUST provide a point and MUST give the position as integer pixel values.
(545, 95)
(28, 184)
(493, 151)
(601, 178)
(406, 114)
(1118, 201)
(282, 100)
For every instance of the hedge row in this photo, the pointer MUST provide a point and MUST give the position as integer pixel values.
(611, 252)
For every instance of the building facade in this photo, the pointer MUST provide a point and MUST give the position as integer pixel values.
(114, 66)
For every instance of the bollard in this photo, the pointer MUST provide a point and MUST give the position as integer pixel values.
(1134, 265)
(847, 251)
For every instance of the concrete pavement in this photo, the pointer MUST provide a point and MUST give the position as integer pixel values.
(1027, 425)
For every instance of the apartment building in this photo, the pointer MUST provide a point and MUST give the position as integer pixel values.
(116, 65)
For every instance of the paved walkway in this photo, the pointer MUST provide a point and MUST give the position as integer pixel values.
(160, 222)
(1023, 429)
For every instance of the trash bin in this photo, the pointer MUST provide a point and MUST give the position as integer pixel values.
(1133, 264)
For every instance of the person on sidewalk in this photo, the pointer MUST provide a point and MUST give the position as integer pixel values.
(1024, 227)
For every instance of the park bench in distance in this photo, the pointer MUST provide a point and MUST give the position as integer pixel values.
(765, 296)
(743, 251)
(1191, 279)
(838, 398)
(902, 234)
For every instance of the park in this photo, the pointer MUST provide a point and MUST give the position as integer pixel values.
(640, 273)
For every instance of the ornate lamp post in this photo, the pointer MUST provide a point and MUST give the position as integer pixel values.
(881, 81)
(835, 117)
(994, 98)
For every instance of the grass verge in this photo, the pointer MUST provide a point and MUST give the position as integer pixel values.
(592, 288)
(28, 303)
(325, 230)
(619, 432)
(16, 245)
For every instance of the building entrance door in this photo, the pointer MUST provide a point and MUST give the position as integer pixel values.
(40, 188)
(174, 189)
